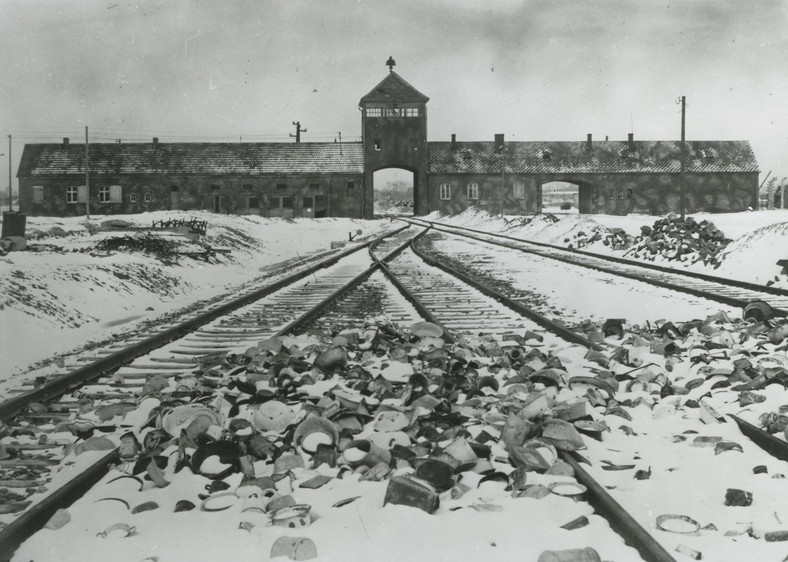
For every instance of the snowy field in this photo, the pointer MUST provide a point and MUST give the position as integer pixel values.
(72, 293)
(63, 298)
(760, 238)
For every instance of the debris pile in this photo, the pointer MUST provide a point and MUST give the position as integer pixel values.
(433, 421)
(162, 248)
(674, 239)
(615, 238)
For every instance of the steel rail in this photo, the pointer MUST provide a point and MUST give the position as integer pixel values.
(16, 532)
(731, 301)
(521, 309)
(624, 261)
(37, 515)
(621, 521)
(775, 446)
(11, 407)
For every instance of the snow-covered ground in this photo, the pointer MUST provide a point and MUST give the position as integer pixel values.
(54, 301)
(70, 294)
(760, 238)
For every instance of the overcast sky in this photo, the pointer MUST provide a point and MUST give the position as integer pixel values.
(531, 69)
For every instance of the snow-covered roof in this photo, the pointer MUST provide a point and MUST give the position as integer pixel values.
(194, 158)
(602, 157)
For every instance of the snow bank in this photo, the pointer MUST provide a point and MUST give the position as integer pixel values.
(61, 298)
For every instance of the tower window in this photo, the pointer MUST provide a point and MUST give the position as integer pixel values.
(214, 188)
(247, 187)
(473, 191)
(351, 185)
(411, 112)
(314, 186)
(374, 112)
(445, 191)
(281, 186)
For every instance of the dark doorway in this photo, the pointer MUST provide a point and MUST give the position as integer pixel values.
(393, 191)
(217, 203)
(175, 198)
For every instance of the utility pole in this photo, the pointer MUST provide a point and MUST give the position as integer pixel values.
(682, 157)
(10, 189)
(299, 130)
(87, 177)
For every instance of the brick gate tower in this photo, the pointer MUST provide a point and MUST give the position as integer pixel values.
(394, 135)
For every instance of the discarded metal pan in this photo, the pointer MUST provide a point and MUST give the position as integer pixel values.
(591, 428)
(407, 491)
(292, 516)
(294, 548)
(534, 454)
(426, 329)
(562, 434)
(549, 377)
(593, 382)
(273, 416)
(613, 327)
(439, 474)
(568, 489)
(758, 310)
(313, 431)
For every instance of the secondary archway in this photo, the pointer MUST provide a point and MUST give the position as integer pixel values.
(560, 197)
(393, 191)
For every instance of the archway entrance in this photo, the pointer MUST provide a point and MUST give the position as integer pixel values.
(393, 191)
(560, 197)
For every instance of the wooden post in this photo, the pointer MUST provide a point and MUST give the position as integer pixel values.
(87, 177)
(682, 158)
(10, 187)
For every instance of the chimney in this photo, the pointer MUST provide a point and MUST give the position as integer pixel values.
(155, 141)
(588, 142)
(498, 142)
(453, 141)
(65, 140)
(631, 142)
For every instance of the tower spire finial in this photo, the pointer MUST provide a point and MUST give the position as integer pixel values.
(391, 64)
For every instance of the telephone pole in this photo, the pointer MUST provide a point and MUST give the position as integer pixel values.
(682, 157)
(299, 130)
(10, 189)
(87, 176)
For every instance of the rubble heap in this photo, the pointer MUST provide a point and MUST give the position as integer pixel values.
(674, 239)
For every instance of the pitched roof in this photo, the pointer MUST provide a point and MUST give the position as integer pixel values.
(604, 157)
(394, 88)
(194, 158)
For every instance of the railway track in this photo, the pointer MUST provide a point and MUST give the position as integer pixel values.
(727, 291)
(336, 300)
